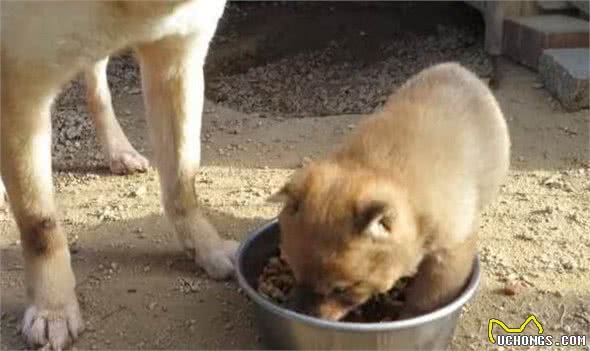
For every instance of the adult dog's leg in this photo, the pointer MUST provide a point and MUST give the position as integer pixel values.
(172, 76)
(2, 194)
(53, 316)
(122, 157)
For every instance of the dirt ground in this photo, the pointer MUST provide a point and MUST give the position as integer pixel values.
(278, 94)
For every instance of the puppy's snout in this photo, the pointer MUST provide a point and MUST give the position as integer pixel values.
(307, 302)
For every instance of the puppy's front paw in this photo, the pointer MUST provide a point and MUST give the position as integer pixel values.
(218, 260)
(52, 328)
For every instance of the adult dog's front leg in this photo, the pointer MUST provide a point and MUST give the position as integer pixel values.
(122, 157)
(172, 77)
(53, 316)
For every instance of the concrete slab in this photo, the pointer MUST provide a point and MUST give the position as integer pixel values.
(566, 74)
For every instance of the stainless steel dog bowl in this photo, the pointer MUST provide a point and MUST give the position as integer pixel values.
(284, 329)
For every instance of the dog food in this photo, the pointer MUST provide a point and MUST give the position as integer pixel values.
(276, 282)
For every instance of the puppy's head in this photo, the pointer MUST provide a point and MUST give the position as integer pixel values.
(347, 234)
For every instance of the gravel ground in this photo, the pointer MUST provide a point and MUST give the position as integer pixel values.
(136, 289)
(341, 66)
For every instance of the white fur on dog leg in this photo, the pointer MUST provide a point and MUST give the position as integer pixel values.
(3, 199)
(57, 333)
(219, 260)
(200, 240)
(43, 328)
(127, 162)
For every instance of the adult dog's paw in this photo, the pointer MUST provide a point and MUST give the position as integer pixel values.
(52, 329)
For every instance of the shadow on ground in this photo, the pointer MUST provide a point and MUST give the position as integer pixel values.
(125, 278)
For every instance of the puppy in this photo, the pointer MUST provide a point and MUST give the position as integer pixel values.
(401, 197)
(44, 45)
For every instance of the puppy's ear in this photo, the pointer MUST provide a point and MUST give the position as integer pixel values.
(374, 219)
(283, 195)
(288, 192)
(288, 195)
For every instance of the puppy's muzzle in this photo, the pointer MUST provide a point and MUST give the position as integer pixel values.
(305, 301)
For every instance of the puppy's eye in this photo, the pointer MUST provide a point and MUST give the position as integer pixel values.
(344, 289)
(339, 290)
(385, 223)
(292, 207)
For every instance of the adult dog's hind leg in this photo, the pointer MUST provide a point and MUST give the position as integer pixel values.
(53, 316)
(172, 76)
(2, 193)
(122, 157)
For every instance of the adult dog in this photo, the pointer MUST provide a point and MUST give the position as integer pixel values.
(45, 44)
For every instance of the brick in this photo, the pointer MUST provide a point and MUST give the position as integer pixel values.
(525, 38)
(565, 74)
(582, 5)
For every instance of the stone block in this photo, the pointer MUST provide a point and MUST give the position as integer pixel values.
(565, 74)
(525, 38)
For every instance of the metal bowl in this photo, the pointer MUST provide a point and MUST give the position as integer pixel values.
(284, 329)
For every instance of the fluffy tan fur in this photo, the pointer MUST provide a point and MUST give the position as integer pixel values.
(401, 196)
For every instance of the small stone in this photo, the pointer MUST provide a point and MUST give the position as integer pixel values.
(134, 91)
(568, 265)
(147, 269)
(114, 266)
(553, 181)
(152, 305)
(138, 192)
(511, 277)
(513, 287)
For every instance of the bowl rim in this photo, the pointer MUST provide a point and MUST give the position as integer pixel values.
(263, 302)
